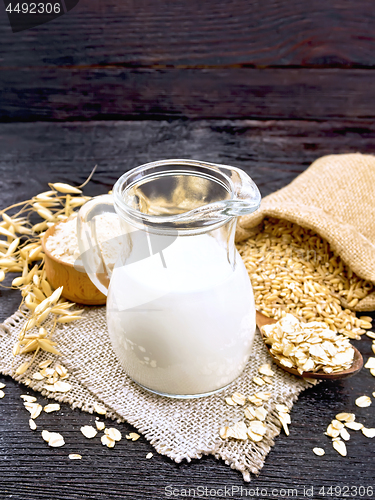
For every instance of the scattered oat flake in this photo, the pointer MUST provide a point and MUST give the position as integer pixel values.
(283, 417)
(257, 427)
(133, 436)
(34, 409)
(238, 431)
(372, 371)
(260, 413)
(99, 409)
(332, 432)
(45, 435)
(253, 436)
(370, 363)
(312, 381)
(354, 426)
(27, 381)
(363, 401)
(258, 381)
(38, 376)
(266, 370)
(99, 425)
(107, 441)
(223, 433)
(49, 387)
(264, 396)
(61, 370)
(268, 380)
(37, 411)
(319, 451)
(55, 440)
(149, 455)
(336, 424)
(230, 402)
(52, 407)
(29, 399)
(62, 386)
(249, 413)
(113, 433)
(373, 394)
(89, 431)
(32, 424)
(75, 456)
(45, 364)
(2, 385)
(282, 408)
(344, 434)
(340, 447)
(345, 417)
(239, 398)
(255, 400)
(371, 335)
(369, 433)
(48, 372)
(2, 394)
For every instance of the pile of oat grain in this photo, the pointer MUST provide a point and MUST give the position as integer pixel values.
(294, 270)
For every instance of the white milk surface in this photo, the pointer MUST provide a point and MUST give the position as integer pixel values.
(183, 329)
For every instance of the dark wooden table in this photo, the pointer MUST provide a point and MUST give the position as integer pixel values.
(266, 86)
(273, 153)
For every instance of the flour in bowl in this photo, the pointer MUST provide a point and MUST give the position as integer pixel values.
(63, 244)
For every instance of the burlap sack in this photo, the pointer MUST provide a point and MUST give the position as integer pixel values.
(335, 197)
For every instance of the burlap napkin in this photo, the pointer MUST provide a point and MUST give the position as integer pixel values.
(335, 197)
(180, 429)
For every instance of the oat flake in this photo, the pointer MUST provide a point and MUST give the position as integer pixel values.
(107, 441)
(355, 426)
(32, 424)
(340, 447)
(89, 431)
(99, 425)
(319, 451)
(52, 407)
(363, 401)
(370, 433)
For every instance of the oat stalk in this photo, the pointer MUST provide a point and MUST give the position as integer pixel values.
(21, 252)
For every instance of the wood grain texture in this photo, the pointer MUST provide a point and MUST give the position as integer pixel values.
(193, 33)
(273, 153)
(155, 59)
(79, 94)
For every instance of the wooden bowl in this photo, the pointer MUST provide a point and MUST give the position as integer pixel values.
(77, 285)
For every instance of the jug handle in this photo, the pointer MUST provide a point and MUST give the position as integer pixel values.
(88, 245)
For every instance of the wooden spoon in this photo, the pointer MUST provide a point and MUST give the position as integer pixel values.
(262, 320)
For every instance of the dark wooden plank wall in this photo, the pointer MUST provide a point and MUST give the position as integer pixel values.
(121, 59)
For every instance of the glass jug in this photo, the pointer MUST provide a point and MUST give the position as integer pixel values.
(180, 306)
